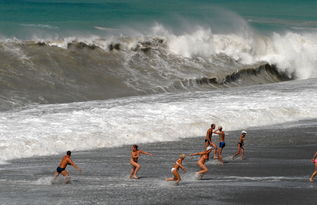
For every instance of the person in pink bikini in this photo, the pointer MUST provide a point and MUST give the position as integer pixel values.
(311, 179)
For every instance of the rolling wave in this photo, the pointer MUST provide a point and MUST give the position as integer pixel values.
(35, 72)
(93, 68)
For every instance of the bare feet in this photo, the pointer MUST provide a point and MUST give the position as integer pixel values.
(199, 176)
(311, 179)
(67, 180)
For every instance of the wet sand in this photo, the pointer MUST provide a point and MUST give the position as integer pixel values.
(276, 171)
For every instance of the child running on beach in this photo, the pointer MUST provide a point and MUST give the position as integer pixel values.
(135, 154)
(178, 164)
(201, 162)
(311, 179)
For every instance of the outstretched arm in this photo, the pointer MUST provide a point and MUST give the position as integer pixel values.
(147, 153)
(217, 132)
(73, 164)
(198, 153)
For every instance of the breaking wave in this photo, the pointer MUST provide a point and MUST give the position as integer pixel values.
(59, 70)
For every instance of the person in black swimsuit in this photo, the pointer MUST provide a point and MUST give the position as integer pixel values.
(208, 140)
(240, 145)
(61, 169)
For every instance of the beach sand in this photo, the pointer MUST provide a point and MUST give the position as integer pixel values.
(276, 171)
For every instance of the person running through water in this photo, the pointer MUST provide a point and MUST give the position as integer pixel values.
(314, 160)
(61, 169)
(201, 162)
(222, 143)
(208, 139)
(178, 164)
(240, 145)
(134, 161)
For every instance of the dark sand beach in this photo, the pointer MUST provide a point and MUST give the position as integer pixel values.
(96, 76)
(276, 171)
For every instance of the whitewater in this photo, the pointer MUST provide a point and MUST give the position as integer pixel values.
(51, 129)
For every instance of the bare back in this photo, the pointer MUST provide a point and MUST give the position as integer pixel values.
(204, 156)
(66, 161)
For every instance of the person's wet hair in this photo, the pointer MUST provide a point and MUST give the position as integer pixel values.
(213, 125)
(135, 146)
(69, 153)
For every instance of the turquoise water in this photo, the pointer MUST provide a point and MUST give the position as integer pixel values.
(23, 18)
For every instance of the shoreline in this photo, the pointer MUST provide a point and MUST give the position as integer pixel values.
(274, 172)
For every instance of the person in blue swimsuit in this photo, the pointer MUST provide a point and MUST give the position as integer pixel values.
(222, 143)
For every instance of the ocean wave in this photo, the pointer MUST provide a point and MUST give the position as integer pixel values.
(80, 68)
(40, 26)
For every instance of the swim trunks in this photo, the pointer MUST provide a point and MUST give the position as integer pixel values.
(222, 145)
(241, 144)
(59, 170)
(173, 169)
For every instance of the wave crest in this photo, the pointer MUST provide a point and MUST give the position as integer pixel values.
(80, 69)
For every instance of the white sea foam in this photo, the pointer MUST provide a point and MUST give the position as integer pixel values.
(40, 26)
(3, 162)
(52, 129)
(292, 52)
(46, 181)
(267, 178)
(16, 51)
